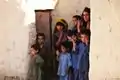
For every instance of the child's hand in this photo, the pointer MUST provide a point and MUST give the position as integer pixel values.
(31, 54)
(74, 45)
(57, 53)
(78, 26)
(70, 39)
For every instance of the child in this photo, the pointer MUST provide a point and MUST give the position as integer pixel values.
(76, 19)
(46, 56)
(83, 56)
(59, 34)
(36, 63)
(86, 18)
(74, 52)
(64, 62)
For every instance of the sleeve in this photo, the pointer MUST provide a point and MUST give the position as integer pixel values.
(86, 61)
(80, 56)
(60, 37)
(76, 51)
(39, 60)
(69, 61)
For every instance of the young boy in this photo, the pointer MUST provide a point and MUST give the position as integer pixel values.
(72, 37)
(76, 19)
(75, 60)
(36, 63)
(83, 56)
(46, 55)
(64, 62)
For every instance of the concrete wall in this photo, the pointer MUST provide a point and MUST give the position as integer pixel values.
(15, 26)
(105, 40)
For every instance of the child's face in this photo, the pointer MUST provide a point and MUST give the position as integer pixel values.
(74, 20)
(83, 38)
(41, 40)
(63, 49)
(32, 51)
(86, 39)
(59, 28)
(86, 16)
(74, 37)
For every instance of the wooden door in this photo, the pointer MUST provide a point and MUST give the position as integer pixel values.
(43, 25)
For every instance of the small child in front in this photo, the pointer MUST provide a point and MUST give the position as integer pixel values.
(83, 56)
(64, 62)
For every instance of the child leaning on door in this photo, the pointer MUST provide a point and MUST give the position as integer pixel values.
(36, 62)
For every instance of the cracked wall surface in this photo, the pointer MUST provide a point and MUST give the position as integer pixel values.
(15, 34)
(105, 40)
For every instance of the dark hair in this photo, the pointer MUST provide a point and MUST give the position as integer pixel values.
(86, 9)
(74, 33)
(41, 34)
(86, 32)
(65, 44)
(78, 17)
(68, 45)
(35, 46)
(69, 33)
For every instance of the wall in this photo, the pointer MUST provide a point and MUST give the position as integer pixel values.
(15, 28)
(105, 40)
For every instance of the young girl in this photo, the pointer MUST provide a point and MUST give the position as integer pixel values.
(86, 18)
(36, 62)
(64, 62)
(59, 34)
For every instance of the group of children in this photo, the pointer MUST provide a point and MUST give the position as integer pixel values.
(73, 58)
(72, 47)
(72, 51)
